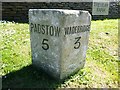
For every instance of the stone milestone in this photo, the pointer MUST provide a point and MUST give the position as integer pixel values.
(59, 40)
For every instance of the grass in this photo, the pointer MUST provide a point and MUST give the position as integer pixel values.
(100, 71)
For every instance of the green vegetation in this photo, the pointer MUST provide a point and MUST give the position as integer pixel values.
(100, 71)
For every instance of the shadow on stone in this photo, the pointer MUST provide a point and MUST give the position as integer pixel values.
(29, 77)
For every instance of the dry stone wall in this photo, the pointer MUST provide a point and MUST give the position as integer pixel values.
(18, 11)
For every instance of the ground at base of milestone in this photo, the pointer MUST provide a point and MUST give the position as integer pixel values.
(100, 71)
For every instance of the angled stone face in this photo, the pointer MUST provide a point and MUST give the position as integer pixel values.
(59, 40)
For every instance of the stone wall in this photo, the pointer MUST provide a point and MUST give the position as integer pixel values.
(18, 11)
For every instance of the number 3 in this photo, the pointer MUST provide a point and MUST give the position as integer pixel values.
(45, 45)
(77, 42)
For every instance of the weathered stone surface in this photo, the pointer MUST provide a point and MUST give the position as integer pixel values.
(59, 40)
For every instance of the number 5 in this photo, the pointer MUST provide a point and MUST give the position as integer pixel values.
(45, 45)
